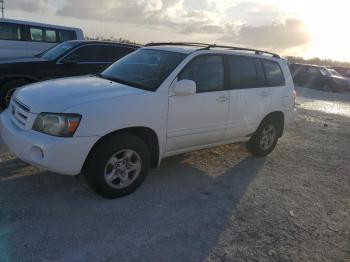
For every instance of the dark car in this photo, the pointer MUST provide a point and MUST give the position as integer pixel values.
(318, 77)
(70, 58)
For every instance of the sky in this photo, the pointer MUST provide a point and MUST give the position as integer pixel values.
(307, 28)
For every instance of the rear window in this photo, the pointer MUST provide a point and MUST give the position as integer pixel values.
(273, 72)
(243, 73)
(10, 32)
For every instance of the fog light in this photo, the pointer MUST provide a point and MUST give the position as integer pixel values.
(36, 153)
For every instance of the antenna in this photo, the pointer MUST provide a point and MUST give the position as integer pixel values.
(2, 8)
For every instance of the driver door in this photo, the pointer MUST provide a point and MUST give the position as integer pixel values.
(199, 119)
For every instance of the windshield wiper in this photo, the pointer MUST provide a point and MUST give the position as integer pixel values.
(123, 82)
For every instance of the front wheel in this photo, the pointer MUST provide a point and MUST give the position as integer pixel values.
(265, 139)
(118, 166)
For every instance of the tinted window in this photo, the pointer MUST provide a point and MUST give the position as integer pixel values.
(50, 35)
(57, 51)
(36, 34)
(66, 35)
(10, 32)
(88, 53)
(207, 72)
(274, 75)
(110, 53)
(144, 68)
(243, 73)
(261, 80)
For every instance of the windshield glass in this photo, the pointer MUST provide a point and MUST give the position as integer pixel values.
(333, 72)
(325, 72)
(145, 68)
(57, 51)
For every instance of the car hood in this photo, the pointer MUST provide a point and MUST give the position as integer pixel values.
(16, 60)
(58, 95)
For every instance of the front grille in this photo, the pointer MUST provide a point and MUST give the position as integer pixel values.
(19, 111)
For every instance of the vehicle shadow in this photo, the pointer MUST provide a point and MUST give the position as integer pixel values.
(177, 215)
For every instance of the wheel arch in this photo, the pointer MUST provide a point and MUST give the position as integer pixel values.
(277, 116)
(146, 134)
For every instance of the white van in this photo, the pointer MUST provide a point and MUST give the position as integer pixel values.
(21, 38)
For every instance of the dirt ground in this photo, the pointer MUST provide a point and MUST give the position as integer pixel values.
(213, 205)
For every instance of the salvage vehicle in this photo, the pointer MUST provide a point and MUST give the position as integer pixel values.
(319, 77)
(71, 58)
(162, 100)
(22, 38)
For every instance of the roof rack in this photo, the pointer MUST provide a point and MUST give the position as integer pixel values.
(210, 46)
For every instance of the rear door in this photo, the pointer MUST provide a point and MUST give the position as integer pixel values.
(250, 96)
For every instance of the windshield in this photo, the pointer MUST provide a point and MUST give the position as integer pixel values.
(57, 51)
(333, 72)
(145, 68)
(325, 72)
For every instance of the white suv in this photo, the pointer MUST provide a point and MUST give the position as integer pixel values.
(162, 100)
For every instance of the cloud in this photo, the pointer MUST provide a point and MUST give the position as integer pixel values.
(41, 6)
(275, 36)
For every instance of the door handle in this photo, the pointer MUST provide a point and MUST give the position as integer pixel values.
(222, 99)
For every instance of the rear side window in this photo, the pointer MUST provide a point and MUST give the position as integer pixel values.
(10, 32)
(66, 35)
(243, 72)
(36, 34)
(110, 53)
(50, 35)
(273, 72)
(207, 71)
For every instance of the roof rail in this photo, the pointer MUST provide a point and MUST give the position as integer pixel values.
(210, 46)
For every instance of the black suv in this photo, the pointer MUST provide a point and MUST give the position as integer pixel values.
(318, 77)
(70, 58)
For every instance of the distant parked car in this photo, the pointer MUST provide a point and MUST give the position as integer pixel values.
(344, 71)
(318, 77)
(22, 38)
(71, 58)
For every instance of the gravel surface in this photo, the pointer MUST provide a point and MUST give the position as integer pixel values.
(212, 205)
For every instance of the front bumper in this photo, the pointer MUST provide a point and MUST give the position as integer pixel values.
(56, 154)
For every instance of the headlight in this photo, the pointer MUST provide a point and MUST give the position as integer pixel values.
(63, 125)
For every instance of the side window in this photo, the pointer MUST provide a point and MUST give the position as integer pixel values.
(274, 75)
(111, 54)
(50, 35)
(36, 34)
(243, 72)
(207, 71)
(261, 79)
(66, 35)
(10, 32)
(85, 54)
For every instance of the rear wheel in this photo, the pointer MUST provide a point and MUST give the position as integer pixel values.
(7, 90)
(265, 139)
(118, 166)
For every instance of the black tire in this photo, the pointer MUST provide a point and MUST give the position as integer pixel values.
(97, 164)
(7, 89)
(255, 146)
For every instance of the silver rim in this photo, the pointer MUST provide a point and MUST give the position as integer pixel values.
(9, 96)
(123, 168)
(268, 137)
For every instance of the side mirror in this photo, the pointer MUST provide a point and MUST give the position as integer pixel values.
(185, 87)
(68, 62)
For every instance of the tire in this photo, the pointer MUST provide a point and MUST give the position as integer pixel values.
(109, 168)
(265, 138)
(7, 89)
